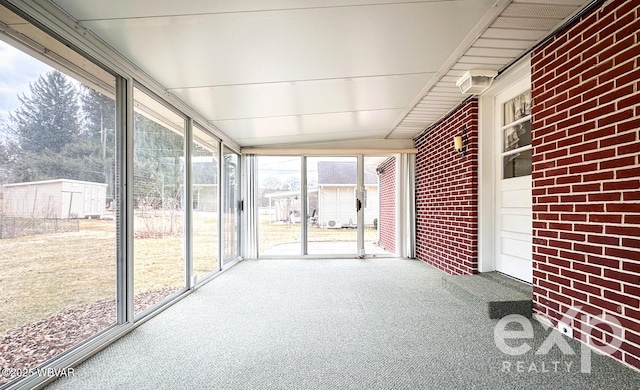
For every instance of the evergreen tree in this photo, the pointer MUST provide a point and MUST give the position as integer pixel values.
(48, 118)
(99, 130)
(54, 137)
(99, 116)
(158, 164)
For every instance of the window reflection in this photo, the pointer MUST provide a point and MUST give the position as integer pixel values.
(231, 206)
(204, 163)
(158, 187)
(58, 205)
(516, 135)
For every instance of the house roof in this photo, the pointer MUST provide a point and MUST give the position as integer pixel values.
(343, 172)
(41, 182)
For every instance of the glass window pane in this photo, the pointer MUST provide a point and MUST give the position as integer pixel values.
(158, 188)
(517, 164)
(517, 136)
(280, 203)
(331, 184)
(58, 206)
(204, 168)
(231, 203)
(380, 205)
(517, 108)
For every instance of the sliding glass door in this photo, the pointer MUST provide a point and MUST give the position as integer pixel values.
(280, 214)
(332, 206)
(205, 152)
(327, 206)
(380, 205)
(231, 206)
(158, 191)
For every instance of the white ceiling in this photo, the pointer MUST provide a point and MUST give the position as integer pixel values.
(277, 72)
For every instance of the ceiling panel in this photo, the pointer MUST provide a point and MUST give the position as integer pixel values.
(538, 11)
(484, 60)
(574, 3)
(493, 52)
(269, 140)
(307, 97)
(292, 45)
(503, 44)
(310, 124)
(126, 9)
(516, 34)
(525, 23)
(271, 72)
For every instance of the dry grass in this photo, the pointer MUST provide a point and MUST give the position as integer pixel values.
(205, 243)
(46, 274)
(271, 234)
(159, 263)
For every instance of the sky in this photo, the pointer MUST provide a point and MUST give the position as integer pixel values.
(17, 70)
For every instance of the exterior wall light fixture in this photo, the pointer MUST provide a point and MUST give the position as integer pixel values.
(460, 142)
(475, 82)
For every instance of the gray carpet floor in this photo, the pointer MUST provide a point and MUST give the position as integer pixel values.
(339, 324)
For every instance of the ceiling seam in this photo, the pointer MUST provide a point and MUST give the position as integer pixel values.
(270, 10)
(308, 114)
(305, 80)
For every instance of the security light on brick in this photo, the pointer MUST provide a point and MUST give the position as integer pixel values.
(475, 82)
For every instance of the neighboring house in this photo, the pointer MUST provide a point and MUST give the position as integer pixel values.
(337, 194)
(284, 206)
(59, 198)
(332, 204)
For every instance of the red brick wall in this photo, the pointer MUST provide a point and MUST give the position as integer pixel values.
(447, 194)
(387, 222)
(586, 173)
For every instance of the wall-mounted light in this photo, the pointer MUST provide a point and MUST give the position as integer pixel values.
(476, 82)
(460, 142)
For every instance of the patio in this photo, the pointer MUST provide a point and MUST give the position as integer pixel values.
(324, 248)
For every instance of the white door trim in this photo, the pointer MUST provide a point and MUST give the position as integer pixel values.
(487, 224)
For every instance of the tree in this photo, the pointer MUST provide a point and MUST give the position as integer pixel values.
(99, 116)
(269, 185)
(158, 177)
(5, 163)
(59, 133)
(293, 183)
(158, 164)
(48, 118)
(99, 130)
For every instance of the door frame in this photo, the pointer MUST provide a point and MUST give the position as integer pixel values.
(487, 167)
(304, 239)
(360, 245)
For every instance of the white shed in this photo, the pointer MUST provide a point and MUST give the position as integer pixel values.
(60, 198)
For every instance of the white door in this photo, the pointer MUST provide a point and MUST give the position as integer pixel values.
(513, 187)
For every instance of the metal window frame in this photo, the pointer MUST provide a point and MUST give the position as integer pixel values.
(53, 22)
(214, 272)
